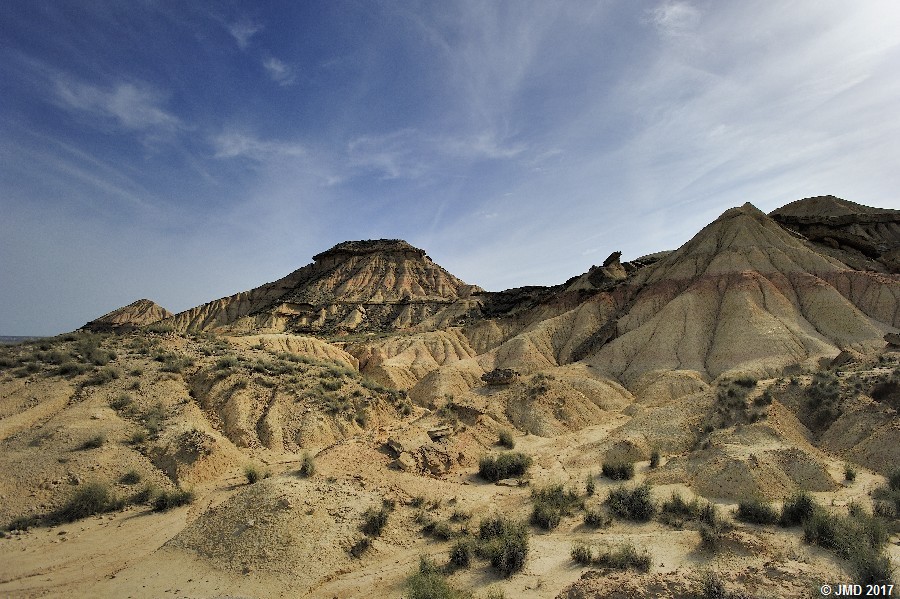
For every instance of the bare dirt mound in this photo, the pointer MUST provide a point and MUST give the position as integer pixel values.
(298, 529)
(135, 315)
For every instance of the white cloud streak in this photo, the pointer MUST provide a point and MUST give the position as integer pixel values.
(242, 32)
(280, 72)
(136, 107)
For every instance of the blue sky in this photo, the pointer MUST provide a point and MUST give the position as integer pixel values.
(184, 151)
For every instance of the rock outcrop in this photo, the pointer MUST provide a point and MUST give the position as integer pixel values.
(863, 237)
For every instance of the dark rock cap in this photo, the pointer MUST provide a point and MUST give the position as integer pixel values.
(369, 246)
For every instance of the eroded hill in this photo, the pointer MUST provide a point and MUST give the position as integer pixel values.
(361, 413)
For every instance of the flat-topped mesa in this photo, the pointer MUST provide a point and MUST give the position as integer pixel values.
(369, 285)
(863, 237)
(368, 246)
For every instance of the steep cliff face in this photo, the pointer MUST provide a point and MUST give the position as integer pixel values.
(136, 314)
(364, 286)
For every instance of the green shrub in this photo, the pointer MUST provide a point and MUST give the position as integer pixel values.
(504, 543)
(618, 470)
(132, 477)
(849, 473)
(167, 500)
(94, 442)
(632, 504)
(675, 511)
(798, 509)
(755, 511)
(374, 521)
(596, 519)
(255, 474)
(226, 362)
(582, 553)
(551, 504)
(121, 401)
(71, 369)
(307, 465)
(860, 539)
(103, 376)
(506, 439)
(711, 537)
(461, 553)
(429, 583)
(624, 557)
(144, 495)
(505, 465)
(137, 437)
(89, 499)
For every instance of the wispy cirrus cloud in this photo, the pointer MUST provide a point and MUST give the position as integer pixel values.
(411, 153)
(280, 72)
(675, 17)
(132, 106)
(242, 32)
(240, 145)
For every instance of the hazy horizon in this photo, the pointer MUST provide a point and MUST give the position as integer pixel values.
(184, 153)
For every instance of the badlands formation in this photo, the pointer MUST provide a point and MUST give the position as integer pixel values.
(715, 421)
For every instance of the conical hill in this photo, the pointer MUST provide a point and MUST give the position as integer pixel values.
(745, 294)
(136, 314)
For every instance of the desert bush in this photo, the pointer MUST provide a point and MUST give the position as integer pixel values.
(859, 539)
(121, 401)
(798, 509)
(94, 442)
(430, 583)
(374, 520)
(654, 458)
(254, 474)
(103, 376)
(225, 362)
(143, 495)
(504, 543)
(590, 487)
(623, 558)
(551, 504)
(505, 465)
(89, 499)
(167, 500)
(675, 511)
(632, 504)
(755, 511)
(461, 553)
(71, 369)
(618, 470)
(849, 473)
(307, 465)
(596, 519)
(506, 439)
(132, 477)
(582, 553)
(137, 437)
